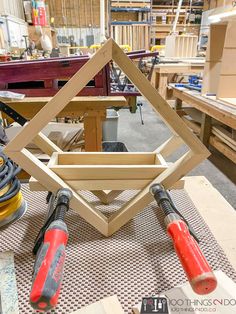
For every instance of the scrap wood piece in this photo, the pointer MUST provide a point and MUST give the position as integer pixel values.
(8, 288)
(106, 306)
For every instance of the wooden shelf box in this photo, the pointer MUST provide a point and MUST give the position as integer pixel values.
(178, 46)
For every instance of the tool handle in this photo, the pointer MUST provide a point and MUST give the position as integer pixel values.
(195, 265)
(48, 269)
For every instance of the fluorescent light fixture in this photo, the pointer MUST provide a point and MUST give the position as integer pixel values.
(221, 15)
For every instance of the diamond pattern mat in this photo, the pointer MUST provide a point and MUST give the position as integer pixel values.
(136, 261)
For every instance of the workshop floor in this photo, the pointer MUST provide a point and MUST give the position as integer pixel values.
(147, 137)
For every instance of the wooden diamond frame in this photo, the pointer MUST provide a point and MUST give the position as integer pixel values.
(47, 178)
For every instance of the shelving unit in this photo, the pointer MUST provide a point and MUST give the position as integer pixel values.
(163, 15)
(130, 23)
(156, 16)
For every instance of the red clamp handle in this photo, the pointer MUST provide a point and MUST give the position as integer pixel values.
(48, 269)
(195, 265)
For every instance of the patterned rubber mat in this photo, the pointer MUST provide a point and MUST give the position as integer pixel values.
(136, 261)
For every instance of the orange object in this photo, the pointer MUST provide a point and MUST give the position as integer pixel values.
(194, 263)
(5, 58)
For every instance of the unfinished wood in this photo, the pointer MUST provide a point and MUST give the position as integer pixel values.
(181, 67)
(93, 130)
(159, 104)
(79, 14)
(30, 106)
(214, 108)
(220, 70)
(219, 215)
(211, 77)
(166, 175)
(170, 146)
(181, 46)
(95, 185)
(192, 125)
(159, 158)
(136, 35)
(2, 39)
(228, 66)
(214, 54)
(230, 38)
(224, 149)
(107, 198)
(52, 183)
(47, 146)
(106, 306)
(216, 41)
(229, 101)
(205, 129)
(214, 141)
(63, 97)
(93, 109)
(13, 8)
(228, 69)
(224, 136)
(225, 89)
(143, 198)
(108, 172)
(111, 158)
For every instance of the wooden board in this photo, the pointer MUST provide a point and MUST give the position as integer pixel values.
(211, 77)
(209, 105)
(108, 172)
(230, 38)
(30, 106)
(128, 158)
(219, 215)
(225, 136)
(106, 166)
(216, 42)
(228, 67)
(224, 149)
(225, 90)
(106, 306)
(74, 13)
(95, 185)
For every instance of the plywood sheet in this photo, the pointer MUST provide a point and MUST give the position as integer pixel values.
(228, 62)
(226, 87)
(230, 39)
(216, 43)
(211, 77)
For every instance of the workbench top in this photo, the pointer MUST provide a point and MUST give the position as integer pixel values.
(217, 109)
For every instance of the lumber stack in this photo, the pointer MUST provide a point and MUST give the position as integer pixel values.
(137, 36)
(221, 137)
